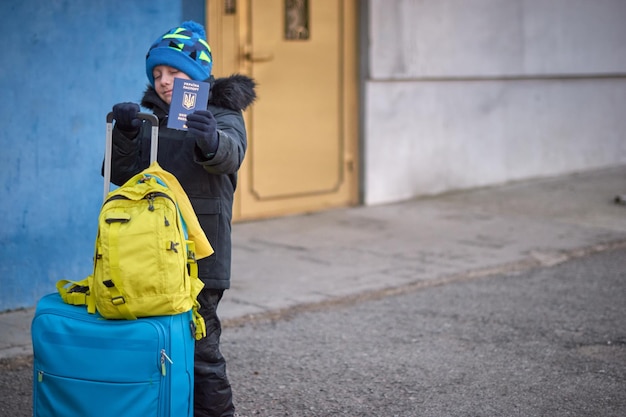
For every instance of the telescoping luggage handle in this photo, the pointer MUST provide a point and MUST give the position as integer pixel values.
(154, 145)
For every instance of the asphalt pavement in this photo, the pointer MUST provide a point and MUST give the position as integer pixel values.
(547, 341)
(297, 262)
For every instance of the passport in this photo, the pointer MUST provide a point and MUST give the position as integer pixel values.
(187, 97)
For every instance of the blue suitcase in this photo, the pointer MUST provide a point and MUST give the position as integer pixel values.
(86, 366)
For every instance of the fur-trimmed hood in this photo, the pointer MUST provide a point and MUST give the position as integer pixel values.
(235, 92)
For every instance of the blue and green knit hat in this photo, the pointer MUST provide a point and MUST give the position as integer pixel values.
(183, 48)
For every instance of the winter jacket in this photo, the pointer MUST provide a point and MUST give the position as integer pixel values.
(209, 183)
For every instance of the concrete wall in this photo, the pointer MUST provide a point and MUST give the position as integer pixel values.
(64, 64)
(463, 93)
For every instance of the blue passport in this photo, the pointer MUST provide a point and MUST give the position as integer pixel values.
(187, 97)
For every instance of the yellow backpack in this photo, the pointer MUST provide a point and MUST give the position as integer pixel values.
(144, 264)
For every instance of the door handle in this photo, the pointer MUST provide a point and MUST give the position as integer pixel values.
(249, 56)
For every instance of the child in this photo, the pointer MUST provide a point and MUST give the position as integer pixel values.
(205, 160)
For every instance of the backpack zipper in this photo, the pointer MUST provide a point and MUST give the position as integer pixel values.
(149, 197)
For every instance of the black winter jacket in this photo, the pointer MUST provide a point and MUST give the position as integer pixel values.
(209, 183)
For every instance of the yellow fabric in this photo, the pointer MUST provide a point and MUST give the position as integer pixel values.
(196, 234)
(77, 293)
(144, 265)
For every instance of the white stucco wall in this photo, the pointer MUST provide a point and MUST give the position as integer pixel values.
(466, 93)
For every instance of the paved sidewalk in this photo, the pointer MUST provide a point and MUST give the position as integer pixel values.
(297, 261)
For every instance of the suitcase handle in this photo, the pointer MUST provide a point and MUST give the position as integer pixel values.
(108, 150)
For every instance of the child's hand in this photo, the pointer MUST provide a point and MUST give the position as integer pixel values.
(203, 128)
(125, 115)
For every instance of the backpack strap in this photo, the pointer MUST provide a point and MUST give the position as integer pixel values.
(196, 287)
(114, 283)
(77, 293)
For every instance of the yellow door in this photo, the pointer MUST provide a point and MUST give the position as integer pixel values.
(302, 131)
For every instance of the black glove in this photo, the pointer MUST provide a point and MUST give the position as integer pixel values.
(202, 126)
(125, 115)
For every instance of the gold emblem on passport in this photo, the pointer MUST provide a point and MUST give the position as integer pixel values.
(189, 100)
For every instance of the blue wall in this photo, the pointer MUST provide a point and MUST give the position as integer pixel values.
(64, 64)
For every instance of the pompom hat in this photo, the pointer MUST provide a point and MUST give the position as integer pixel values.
(183, 48)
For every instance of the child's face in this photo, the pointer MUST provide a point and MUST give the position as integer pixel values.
(164, 81)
